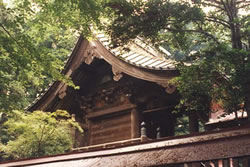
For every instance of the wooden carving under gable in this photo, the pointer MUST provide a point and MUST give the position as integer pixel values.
(89, 57)
(106, 98)
(91, 54)
(117, 74)
(62, 91)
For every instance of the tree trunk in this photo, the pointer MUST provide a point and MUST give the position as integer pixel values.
(232, 12)
(234, 25)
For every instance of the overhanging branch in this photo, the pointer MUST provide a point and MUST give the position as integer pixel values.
(213, 5)
(243, 6)
(8, 33)
(200, 31)
(220, 21)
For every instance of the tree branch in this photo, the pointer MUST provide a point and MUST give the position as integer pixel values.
(220, 21)
(196, 31)
(220, 11)
(8, 33)
(22, 47)
(52, 131)
(215, 1)
(226, 22)
(227, 10)
(243, 1)
(212, 5)
(243, 6)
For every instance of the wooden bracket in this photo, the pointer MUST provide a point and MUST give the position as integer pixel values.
(169, 88)
(89, 57)
(62, 92)
(117, 74)
(91, 54)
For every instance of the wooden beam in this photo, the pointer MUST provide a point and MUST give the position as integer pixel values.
(110, 110)
(159, 109)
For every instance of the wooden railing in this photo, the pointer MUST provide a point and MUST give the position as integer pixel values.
(229, 162)
(225, 148)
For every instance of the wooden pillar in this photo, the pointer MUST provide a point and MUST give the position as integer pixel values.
(193, 122)
(186, 165)
(135, 124)
(89, 123)
(215, 163)
(225, 163)
(220, 163)
(235, 162)
(207, 163)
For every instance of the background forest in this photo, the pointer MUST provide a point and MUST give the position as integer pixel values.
(209, 39)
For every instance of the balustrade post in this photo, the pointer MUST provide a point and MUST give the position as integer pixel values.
(143, 131)
(158, 133)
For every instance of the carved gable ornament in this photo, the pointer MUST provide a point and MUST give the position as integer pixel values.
(117, 74)
(169, 87)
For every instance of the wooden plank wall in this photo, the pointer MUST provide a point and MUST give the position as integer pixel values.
(110, 128)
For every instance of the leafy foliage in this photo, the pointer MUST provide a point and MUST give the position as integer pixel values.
(218, 77)
(31, 54)
(36, 134)
(35, 39)
(209, 38)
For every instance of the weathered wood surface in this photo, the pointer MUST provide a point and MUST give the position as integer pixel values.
(110, 110)
(135, 124)
(206, 147)
(109, 129)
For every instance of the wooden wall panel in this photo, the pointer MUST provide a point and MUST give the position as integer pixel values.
(110, 128)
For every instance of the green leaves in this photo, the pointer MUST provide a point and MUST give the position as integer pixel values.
(32, 53)
(216, 31)
(220, 75)
(151, 19)
(35, 39)
(36, 134)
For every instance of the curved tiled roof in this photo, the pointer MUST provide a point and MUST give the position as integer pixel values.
(141, 61)
(140, 54)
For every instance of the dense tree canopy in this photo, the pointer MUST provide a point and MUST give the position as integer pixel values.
(209, 38)
(35, 40)
(36, 37)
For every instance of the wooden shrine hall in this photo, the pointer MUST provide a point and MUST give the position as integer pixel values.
(125, 105)
(118, 91)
